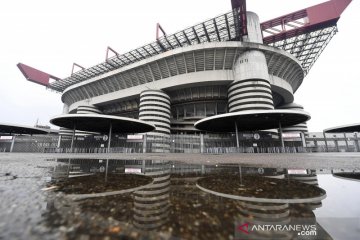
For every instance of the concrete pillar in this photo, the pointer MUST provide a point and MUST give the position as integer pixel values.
(12, 143)
(253, 29)
(106, 169)
(155, 108)
(110, 135)
(337, 145)
(144, 143)
(237, 135)
(251, 86)
(280, 136)
(59, 141)
(251, 89)
(326, 145)
(151, 206)
(65, 109)
(202, 145)
(72, 139)
(88, 109)
(303, 140)
(356, 143)
(346, 142)
(301, 127)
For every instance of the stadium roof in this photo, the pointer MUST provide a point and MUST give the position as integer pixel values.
(304, 34)
(10, 129)
(355, 127)
(100, 123)
(252, 120)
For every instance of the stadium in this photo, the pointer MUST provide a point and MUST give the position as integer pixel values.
(231, 70)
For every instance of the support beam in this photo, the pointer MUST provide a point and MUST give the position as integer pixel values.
(237, 135)
(107, 53)
(59, 142)
(356, 143)
(280, 136)
(346, 143)
(303, 140)
(12, 143)
(72, 139)
(109, 140)
(326, 145)
(73, 67)
(106, 169)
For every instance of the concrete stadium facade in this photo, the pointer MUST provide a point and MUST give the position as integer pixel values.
(175, 89)
(229, 65)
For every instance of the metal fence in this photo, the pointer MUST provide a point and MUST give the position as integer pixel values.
(177, 143)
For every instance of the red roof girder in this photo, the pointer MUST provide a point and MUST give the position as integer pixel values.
(35, 75)
(316, 17)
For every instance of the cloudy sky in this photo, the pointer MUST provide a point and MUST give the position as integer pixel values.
(51, 35)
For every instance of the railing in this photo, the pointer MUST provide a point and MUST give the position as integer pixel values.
(90, 150)
(221, 150)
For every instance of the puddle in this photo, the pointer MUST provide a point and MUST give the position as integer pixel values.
(136, 199)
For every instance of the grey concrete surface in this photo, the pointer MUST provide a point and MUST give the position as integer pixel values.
(299, 160)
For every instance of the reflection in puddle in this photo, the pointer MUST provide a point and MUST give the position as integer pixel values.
(185, 201)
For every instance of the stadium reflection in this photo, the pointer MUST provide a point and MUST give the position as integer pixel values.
(187, 201)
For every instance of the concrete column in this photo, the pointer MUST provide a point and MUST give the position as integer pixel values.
(356, 143)
(326, 145)
(203, 169)
(237, 135)
(106, 169)
(154, 108)
(337, 145)
(303, 140)
(301, 127)
(12, 143)
(109, 140)
(88, 109)
(280, 136)
(144, 143)
(59, 141)
(65, 109)
(346, 142)
(251, 86)
(72, 138)
(151, 205)
(202, 145)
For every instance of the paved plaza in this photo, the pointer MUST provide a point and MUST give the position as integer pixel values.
(299, 160)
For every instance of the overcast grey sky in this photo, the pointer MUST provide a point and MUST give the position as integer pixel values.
(51, 35)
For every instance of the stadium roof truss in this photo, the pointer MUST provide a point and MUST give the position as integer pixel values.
(304, 34)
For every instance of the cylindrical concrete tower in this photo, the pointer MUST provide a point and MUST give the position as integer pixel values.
(87, 109)
(155, 108)
(301, 127)
(152, 204)
(65, 133)
(251, 89)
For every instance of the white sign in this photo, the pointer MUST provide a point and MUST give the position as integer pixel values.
(297, 171)
(291, 135)
(134, 137)
(6, 137)
(132, 170)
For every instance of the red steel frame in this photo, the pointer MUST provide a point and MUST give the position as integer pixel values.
(35, 75)
(304, 21)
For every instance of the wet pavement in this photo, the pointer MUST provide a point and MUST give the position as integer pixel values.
(65, 198)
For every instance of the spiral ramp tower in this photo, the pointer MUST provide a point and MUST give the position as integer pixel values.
(301, 127)
(155, 108)
(66, 133)
(152, 204)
